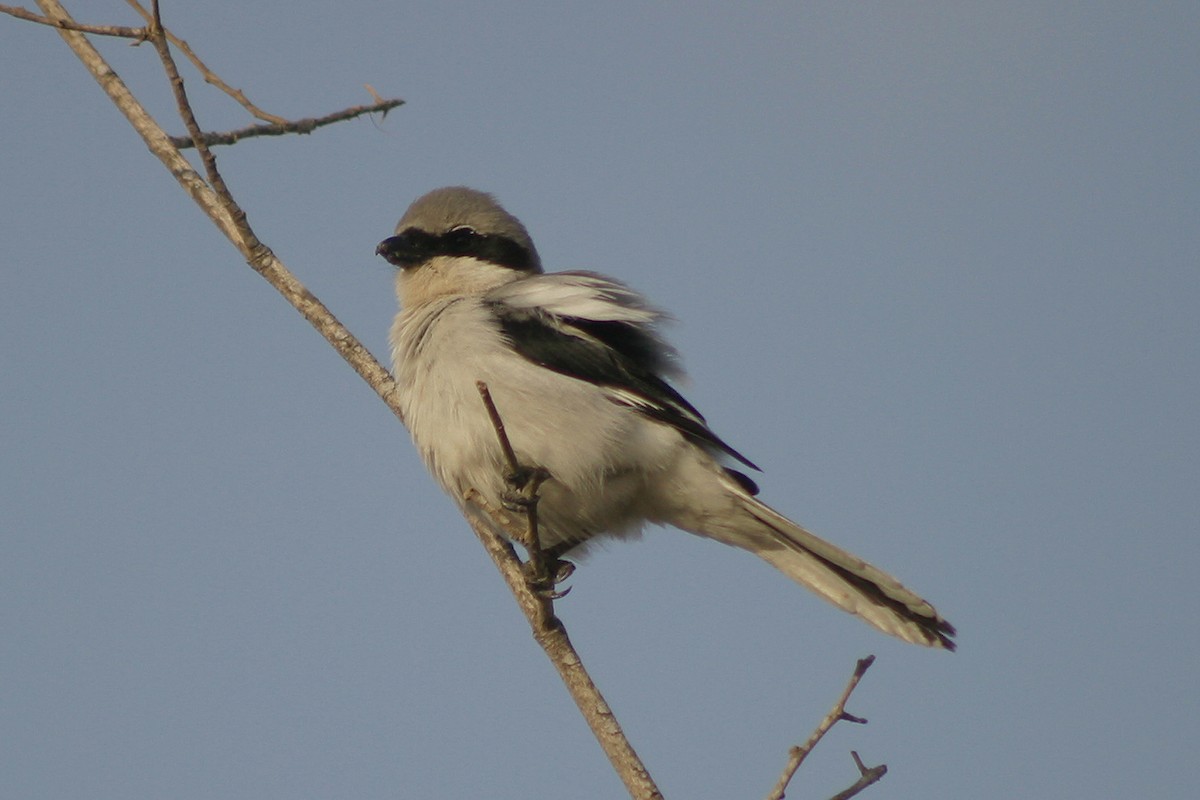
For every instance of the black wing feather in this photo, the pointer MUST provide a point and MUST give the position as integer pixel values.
(608, 353)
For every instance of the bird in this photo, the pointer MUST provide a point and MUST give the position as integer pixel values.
(580, 374)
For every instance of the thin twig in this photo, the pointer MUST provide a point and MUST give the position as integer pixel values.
(510, 456)
(119, 31)
(276, 125)
(163, 48)
(837, 714)
(209, 76)
(531, 480)
(298, 126)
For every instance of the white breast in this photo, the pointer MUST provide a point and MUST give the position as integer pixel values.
(595, 450)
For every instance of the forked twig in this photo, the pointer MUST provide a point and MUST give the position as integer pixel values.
(867, 776)
(209, 76)
(232, 225)
(275, 125)
(158, 38)
(797, 754)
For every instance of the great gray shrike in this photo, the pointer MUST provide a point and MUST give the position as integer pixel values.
(577, 369)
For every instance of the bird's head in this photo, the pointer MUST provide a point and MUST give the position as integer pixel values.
(457, 240)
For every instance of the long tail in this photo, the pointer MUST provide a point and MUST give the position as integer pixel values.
(846, 580)
(729, 513)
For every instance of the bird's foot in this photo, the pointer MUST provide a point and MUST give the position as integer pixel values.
(521, 488)
(545, 574)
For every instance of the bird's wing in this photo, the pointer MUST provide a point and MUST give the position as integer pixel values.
(597, 330)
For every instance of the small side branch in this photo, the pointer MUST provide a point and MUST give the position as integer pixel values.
(510, 455)
(120, 31)
(867, 776)
(276, 125)
(281, 129)
(837, 714)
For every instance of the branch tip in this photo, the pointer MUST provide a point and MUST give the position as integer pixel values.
(798, 753)
(284, 127)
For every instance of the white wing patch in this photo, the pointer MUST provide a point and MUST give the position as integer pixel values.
(582, 295)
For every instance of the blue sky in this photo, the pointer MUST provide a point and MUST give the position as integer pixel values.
(934, 266)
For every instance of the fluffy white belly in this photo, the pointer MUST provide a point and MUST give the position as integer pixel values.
(594, 486)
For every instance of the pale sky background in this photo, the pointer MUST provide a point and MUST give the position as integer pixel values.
(936, 268)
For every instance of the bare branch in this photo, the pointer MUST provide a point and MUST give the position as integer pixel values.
(163, 48)
(837, 714)
(280, 129)
(138, 34)
(257, 255)
(277, 125)
(209, 76)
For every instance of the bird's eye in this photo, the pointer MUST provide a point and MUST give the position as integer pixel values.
(461, 240)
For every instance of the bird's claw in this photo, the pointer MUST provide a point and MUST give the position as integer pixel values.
(522, 487)
(553, 572)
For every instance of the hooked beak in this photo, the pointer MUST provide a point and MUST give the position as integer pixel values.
(402, 251)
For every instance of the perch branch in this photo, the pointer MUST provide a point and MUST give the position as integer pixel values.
(218, 206)
(551, 636)
(538, 607)
(838, 713)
